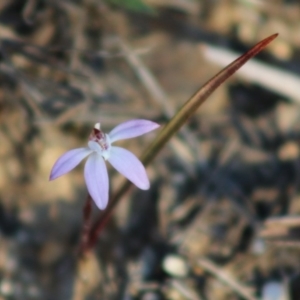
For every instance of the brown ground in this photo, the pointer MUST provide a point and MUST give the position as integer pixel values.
(221, 218)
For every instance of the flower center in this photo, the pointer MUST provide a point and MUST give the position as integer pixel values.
(102, 140)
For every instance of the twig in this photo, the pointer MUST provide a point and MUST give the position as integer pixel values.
(151, 84)
(225, 277)
(285, 83)
(286, 221)
(184, 290)
(87, 211)
(159, 95)
(29, 10)
(33, 96)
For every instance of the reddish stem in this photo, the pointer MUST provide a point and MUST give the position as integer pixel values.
(174, 125)
(87, 212)
(105, 216)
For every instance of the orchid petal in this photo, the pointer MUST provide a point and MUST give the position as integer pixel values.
(96, 179)
(129, 165)
(68, 162)
(130, 129)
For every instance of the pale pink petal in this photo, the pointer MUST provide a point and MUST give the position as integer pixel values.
(96, 179)
(68, 161)
(129, 165)
(131, 129)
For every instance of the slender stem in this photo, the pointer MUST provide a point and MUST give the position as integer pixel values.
(188, 109)
(86, 227)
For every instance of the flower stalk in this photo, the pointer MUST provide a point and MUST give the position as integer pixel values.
(186, 111)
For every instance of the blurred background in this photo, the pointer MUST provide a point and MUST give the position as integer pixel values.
(221, 218)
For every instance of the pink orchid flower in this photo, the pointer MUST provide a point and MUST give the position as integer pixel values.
(100, 149)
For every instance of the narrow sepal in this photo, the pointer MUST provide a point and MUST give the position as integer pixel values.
(96, 179)
(131, 129)
(129, 165)
(68, 162)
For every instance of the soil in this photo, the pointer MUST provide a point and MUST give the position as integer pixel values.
(222, 217)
